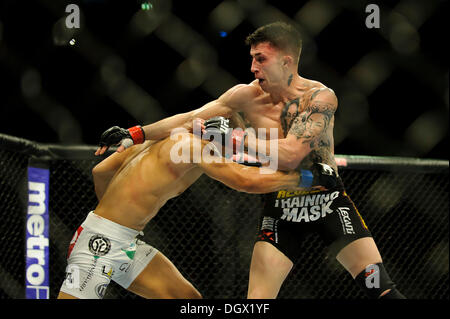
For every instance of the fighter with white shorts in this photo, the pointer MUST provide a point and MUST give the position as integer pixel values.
(100, 251)
(131, 187)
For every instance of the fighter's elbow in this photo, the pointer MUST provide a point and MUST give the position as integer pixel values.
(101, 175)
(96, 170)
(100, 170)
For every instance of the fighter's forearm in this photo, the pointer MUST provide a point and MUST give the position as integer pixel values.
(164, 127)
(250, 179)
(282, 151)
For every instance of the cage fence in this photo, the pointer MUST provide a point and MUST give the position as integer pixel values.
(208, 232)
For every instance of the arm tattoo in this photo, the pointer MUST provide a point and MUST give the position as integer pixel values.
(289, 113)
(313, 122)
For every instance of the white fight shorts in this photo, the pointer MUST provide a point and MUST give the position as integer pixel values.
(101, 251)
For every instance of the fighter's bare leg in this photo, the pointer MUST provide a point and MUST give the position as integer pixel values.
(63, 295)
(359, 254)
(162, 280)
(268, 270)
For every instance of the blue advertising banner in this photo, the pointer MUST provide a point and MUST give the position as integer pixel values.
(37, 235)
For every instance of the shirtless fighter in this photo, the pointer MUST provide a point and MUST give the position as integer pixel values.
(105, 246)
(303, 112)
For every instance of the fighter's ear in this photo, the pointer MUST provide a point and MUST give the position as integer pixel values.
(287, 60)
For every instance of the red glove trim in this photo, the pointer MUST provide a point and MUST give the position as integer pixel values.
(137, 134)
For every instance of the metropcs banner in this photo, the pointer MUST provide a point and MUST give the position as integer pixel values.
(37, 234)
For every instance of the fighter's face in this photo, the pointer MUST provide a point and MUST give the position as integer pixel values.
(267, 66)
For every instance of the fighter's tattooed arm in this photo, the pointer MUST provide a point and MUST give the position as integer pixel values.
(309, 130)
(289, 113)
(307, 124)
(311, 124)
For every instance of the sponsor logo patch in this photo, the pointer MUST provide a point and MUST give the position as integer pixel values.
(306, 208)
(101, 289)
(346, 222)
(268, 230)
(99, 245)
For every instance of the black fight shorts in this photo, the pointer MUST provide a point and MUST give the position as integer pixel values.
(289, 216)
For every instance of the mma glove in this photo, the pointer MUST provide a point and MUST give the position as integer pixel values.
(120, 136)
(247, 160)
(319, 175)
(218, 127)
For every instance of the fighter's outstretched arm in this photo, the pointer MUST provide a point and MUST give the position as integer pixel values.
(250, 179)
(233, 100)
(206, 156)
(187, 150)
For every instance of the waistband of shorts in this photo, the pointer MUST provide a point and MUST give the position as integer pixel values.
(294, 193)
(96, 223)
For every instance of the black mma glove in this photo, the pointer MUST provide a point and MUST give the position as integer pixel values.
(319, 175)
(247, 160)
(120, 136)
(218, 127)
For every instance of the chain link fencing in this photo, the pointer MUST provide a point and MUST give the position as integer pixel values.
(208, 232)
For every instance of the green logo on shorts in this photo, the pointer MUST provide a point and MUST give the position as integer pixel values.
(130, 251)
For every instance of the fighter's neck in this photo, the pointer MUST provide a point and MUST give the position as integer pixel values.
(293, 88)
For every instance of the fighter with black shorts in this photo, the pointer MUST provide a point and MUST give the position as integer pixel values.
(302, 112)
(289, 216)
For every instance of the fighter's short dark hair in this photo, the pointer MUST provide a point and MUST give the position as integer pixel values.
(279, 34)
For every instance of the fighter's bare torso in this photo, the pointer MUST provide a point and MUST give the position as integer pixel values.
(262, 112)
(145, 181)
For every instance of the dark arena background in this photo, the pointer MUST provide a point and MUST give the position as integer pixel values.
(132, 62)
